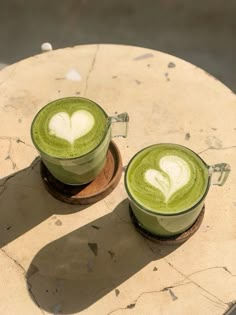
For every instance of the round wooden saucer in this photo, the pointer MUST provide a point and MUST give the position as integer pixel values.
(172, 240)
(92, 192)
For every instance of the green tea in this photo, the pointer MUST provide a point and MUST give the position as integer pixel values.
(166, 178)
(72, 136)
(68, 128)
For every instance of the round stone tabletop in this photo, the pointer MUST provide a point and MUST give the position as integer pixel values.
(57, 258)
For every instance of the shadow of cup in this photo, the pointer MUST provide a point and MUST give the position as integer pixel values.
(25, 203)
(73, 272)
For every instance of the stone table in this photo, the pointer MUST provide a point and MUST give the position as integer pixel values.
(57, 258)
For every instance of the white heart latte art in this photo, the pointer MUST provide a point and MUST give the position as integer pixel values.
(71, 128)
(177, 171)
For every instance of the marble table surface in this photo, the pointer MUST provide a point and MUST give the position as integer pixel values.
(57, 258)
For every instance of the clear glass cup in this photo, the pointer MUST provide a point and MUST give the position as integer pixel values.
(169, 224)
(85, 168)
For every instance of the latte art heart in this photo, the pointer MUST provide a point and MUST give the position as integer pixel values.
(71, 128)
(175, 175)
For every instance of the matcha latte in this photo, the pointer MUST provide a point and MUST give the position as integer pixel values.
(72, 136)
(69, 128)
(166, 178)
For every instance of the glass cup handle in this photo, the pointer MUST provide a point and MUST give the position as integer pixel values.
(219, 173)
(119, 125)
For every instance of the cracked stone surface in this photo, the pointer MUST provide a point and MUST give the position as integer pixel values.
(57, 258)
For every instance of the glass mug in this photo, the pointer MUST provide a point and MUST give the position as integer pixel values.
(166, 224)
(85, 168)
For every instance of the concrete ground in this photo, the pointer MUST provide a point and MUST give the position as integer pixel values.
(232, 311)
(201, 32)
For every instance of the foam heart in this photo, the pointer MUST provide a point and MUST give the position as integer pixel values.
(72, 127)
(175, 174)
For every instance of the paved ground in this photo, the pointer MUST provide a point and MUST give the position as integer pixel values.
(232, 311)
(201, 32)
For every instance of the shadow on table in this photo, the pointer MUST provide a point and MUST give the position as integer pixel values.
(25, 203)
(73, 272)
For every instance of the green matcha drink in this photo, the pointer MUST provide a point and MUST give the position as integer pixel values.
(72, 136)
(167, 185)
(69, 128)
(167, 178)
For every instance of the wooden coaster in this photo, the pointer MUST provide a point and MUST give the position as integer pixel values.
(172, 240)
(92, 192)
